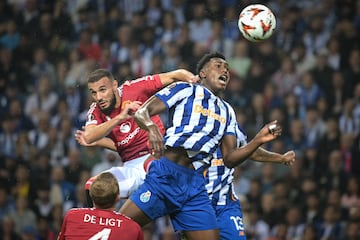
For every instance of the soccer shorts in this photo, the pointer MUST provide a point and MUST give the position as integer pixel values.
(130, 176)
(171, 189)
(230, 221)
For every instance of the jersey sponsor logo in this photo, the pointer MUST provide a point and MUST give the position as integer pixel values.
(217, 162)
(125, 127)
(129, 137)
(209, 113)
(145, 197)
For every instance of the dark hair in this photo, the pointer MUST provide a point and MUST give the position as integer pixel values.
(99, 74)
(206, 58)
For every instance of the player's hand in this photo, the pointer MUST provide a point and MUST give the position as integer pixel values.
(269, 132)
(79, 136)
(156, 141)
(288, 158)
(129, 110)
(188, 76)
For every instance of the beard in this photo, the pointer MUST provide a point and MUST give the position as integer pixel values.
(110, 108)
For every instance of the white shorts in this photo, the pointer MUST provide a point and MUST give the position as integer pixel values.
(130, 176)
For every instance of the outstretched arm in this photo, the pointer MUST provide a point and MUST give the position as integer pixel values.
(104, 142)
(178, 75)
(262, 155)
(235, 156)
(142, 117)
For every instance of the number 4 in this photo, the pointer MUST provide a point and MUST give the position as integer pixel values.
(102, 235)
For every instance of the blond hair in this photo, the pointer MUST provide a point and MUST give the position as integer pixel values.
(104, 191)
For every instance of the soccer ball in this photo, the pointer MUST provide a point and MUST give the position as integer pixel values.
(256, 22)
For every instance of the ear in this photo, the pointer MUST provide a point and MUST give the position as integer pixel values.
(202, 74)
(115, 84)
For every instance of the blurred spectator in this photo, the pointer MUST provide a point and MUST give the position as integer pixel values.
(8, 135)
(336, 95)
(199, 25)
(44, 99)
(87, 47)
(42, 206)
(7, 229)
(334, 176)
(333, 54)
(308, 92)
(16, 111)
(348, 123)
(328, 142)
(315, 126)
(10, 40)
(351, 196)
(39, 136)
(330, 227)
(42, 67)
(309, 233)
(312, 209)
(322, 72)
(352, 231)
(61, 191)
(110, 159)
(316, 36)
(348, 160)
(24, 149)
(295, 223)
(120, 48)
(170, 29)
(256, 228)
(7, 204)
(74, 166)
(238, 57)
(304, 61)
(285, 78)
(23, 215)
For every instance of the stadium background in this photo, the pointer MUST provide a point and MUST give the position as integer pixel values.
(307, 76)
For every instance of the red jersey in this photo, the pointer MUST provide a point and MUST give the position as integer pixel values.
(98, 224)
(130, 140)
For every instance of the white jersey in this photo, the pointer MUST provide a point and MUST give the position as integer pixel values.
(219, 178)
(198, 119)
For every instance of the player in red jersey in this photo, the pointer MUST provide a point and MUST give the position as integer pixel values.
(106, 126)
(102, 221)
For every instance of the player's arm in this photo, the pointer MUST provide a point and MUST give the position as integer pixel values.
(262, 155)
(178, 75)
(151, 107)
(234, 156)
(93, 132)
(104, 142)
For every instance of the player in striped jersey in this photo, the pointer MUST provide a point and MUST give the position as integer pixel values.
(219, 184)
(199, 119)
(110, 123)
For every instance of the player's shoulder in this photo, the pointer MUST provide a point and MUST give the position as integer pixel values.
(140, 80)
(76, 211)
(93, 108)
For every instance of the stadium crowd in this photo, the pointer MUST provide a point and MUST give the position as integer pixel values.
(307, 76)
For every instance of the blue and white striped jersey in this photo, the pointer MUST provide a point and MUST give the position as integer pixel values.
(219, 178)
(198, 119)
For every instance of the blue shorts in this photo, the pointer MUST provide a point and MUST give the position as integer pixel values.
(171, 189)
(230, 221)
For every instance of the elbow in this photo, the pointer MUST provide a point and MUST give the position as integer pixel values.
(229, 163)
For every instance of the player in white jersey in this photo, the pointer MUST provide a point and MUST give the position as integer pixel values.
(199, 120)
(219, 184)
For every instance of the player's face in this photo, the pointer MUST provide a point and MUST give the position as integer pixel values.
(216, 75)
(103, 93)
